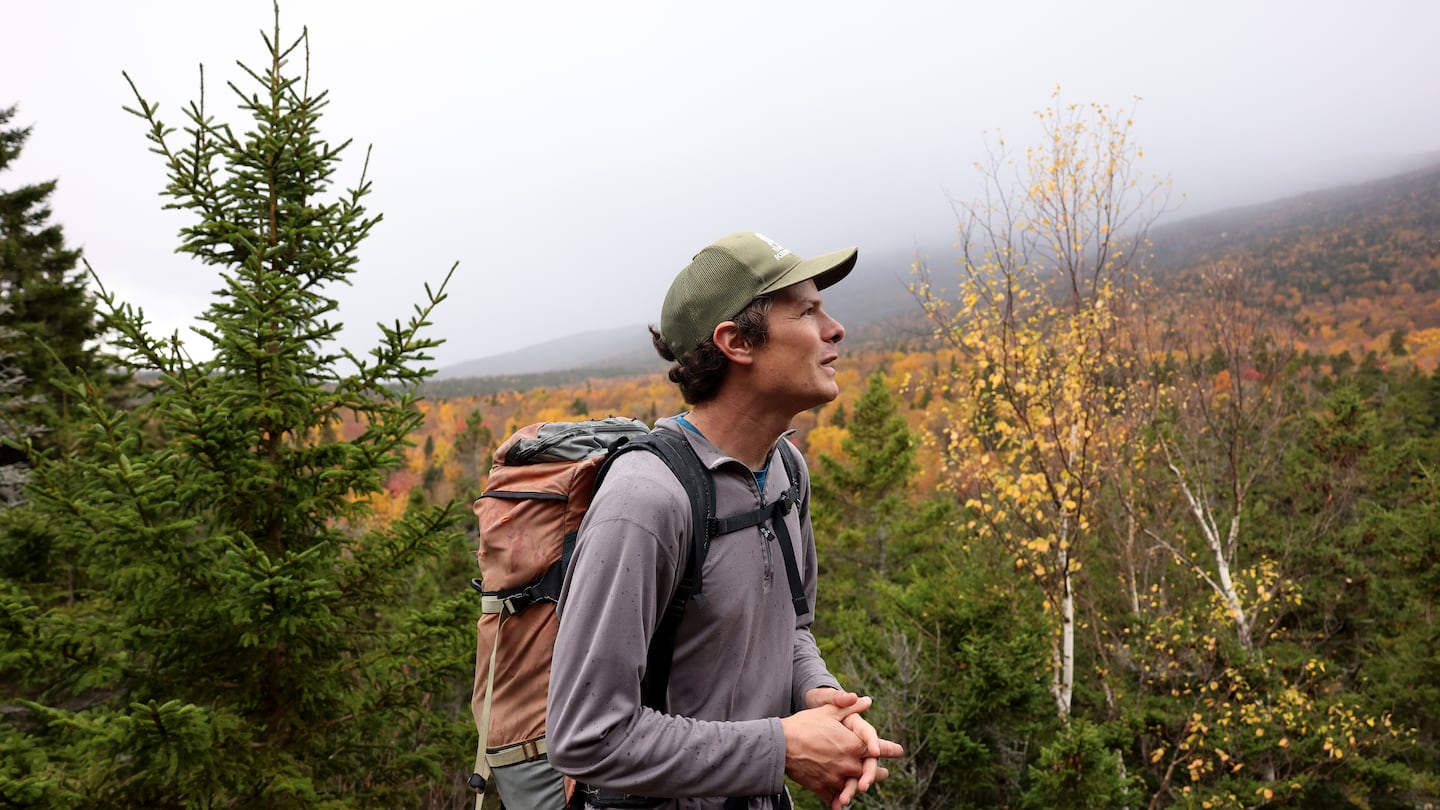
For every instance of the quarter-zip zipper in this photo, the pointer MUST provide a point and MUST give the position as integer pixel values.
(767, 537)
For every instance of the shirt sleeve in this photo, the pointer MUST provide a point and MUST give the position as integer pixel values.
(625, 566)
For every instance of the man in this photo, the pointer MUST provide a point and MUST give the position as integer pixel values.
(750, 700)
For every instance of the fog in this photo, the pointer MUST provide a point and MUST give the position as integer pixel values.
(572, 156)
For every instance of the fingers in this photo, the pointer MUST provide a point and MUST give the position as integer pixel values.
(862, 729)
(889, 749)
(868, 769)
(866, 732)
(850, 777)
(875, 748)
(875, 745)
(822, 754)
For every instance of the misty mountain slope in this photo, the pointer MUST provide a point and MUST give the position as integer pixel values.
(874, 292)
(622, 347)
(1379, 231)
(1348, 234)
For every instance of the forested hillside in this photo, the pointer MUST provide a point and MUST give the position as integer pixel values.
(1352, 275)
(1357, 267)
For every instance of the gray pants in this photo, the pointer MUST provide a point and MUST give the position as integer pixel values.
(532, 785)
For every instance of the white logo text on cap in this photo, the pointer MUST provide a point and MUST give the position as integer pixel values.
(780, 252)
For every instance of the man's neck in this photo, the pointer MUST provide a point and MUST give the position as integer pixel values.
(747, 434)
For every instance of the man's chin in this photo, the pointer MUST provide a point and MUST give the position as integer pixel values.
(830, 395)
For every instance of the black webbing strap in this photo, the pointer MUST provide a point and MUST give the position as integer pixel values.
(775, 513)
(675, 450)
(544, 588)
(696, 480)
(780, 801)
(625, 801)
(679, 456)
(787, 550)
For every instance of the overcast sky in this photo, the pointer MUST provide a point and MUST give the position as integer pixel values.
(572, 156)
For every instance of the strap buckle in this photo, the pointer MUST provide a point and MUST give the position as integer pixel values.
(515, 754)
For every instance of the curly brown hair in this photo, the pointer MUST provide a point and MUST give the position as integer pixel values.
(700, 372)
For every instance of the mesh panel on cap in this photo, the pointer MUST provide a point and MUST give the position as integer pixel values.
(719, 287)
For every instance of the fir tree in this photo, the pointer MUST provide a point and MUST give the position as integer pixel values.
(14, 429)
(909, 612)
(861, 501)
(474, 446)
(243, 627)
(52, 320)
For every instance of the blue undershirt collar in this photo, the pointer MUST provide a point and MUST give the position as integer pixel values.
(760, 475)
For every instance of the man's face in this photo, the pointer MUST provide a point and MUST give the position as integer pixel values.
(794, 366)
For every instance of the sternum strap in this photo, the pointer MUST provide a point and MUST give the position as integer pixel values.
(774, 513)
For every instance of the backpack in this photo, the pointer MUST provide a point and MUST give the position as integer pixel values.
(542, 482)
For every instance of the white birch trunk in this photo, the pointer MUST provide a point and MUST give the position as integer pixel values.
(1222, 583)
(1064, 670)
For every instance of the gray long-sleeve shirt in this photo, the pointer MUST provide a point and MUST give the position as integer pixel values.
(742, 660)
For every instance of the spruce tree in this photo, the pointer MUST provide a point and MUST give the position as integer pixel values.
(15, 429)
(910, 615)
(51, 318)
(243, 628)
(863, 504)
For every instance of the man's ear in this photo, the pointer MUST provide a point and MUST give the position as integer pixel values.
(732, 344)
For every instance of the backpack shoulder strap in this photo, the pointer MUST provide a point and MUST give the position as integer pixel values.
(675, 450)
(774, 513)
(792, 467)
(791, 499)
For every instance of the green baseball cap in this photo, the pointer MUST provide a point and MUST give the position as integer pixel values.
(724, 277)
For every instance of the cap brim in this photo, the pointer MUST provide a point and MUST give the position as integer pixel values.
(826, 269)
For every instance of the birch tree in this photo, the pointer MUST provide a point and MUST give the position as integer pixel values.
(1046, 254)
(1223, 420)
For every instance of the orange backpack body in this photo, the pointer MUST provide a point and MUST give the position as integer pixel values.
(540, 485)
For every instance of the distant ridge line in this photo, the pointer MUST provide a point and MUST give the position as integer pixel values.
(878, 298)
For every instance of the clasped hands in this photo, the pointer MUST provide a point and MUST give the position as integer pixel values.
(832, 750)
